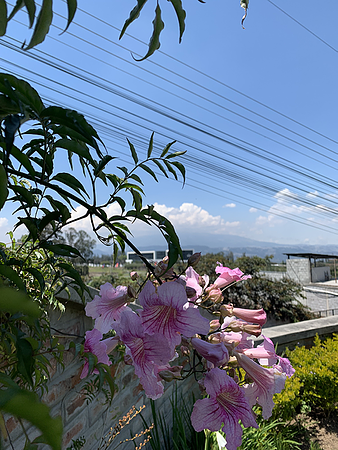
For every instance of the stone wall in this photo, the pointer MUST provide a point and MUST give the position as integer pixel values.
(66, 395)
(299, 270)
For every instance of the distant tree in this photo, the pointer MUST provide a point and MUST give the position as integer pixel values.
(82, 242)
(209, 261)
(280, 299)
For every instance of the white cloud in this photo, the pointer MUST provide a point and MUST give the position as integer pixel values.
(230, 205)
(3, 222)
(312, 194)
(253, 210)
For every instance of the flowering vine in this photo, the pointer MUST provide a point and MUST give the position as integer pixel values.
(179, 327)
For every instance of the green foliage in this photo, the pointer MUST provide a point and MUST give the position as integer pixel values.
(182, 435)
(271, 435)
(315, 383)
(77, 444)
(278, 298)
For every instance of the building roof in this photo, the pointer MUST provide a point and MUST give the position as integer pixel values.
(312, 255)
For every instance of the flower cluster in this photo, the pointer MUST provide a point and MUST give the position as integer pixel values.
(165, 331)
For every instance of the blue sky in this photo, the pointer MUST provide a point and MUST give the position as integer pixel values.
(250, 168)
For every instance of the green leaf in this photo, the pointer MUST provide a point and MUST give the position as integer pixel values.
(180, 167)
(102, 164)
(159, 165)
(3, 17)
(47, 219)
(12, 275)
(181, 15)
(7, 106)
(31, 8)
(24, 160)
(171, 170)
(174, 155)
(58, 206)
(25, 364)
(136, 178)
(151, 145)
(133, 151)
(167, 148)
(38, 276)
(13, 301)
(3, 186)
(43, 23)
(26, 405)
(121, 202)
(75, 121)
(137, 199)
(70, 181)
(19, 4)
(21, 92)
(31, 225)
(147, 169)
(134, 14)
(154, 43)
(173, 254)
(72, 6)
(75, 147)
(61, 249)
(24, 193)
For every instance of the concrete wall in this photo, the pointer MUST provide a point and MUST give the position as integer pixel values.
(299, 270)
(275, 276)
(320, 274)
(66, 395)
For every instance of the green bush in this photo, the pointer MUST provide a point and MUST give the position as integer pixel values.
(314, 386)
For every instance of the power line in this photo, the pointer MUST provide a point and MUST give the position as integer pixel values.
(303, 26)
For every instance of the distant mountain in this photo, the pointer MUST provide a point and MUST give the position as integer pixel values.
(225, 243)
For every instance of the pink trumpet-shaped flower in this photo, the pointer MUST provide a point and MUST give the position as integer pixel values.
(93, 344)
(249, 315)
(107, 307)
(265, 352)
(228, 276)
(266, 383)
(147, 352)
(285, 366)
(165, 312)
(191, 279)
(226, 406)
(217, 354)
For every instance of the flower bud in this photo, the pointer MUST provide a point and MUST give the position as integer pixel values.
(255, 330)
(214, 294)
(190, 292)
(194, 259)
(236, 326)
(134, 275)
(214, 325)
(166, 375)
(226, 310)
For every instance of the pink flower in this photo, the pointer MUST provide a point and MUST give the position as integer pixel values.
(217, 354)
(226, 406)
(93, 344)
(107, 307)
(146, 352)
(265, 352)
(249, 315)
(266, 383)
(165, 311)
(191, 279)
(228, 276)
(285, 366)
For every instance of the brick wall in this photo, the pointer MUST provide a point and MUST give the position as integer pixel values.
(65, 395)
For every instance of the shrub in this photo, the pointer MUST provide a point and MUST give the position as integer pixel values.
(315, 383)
